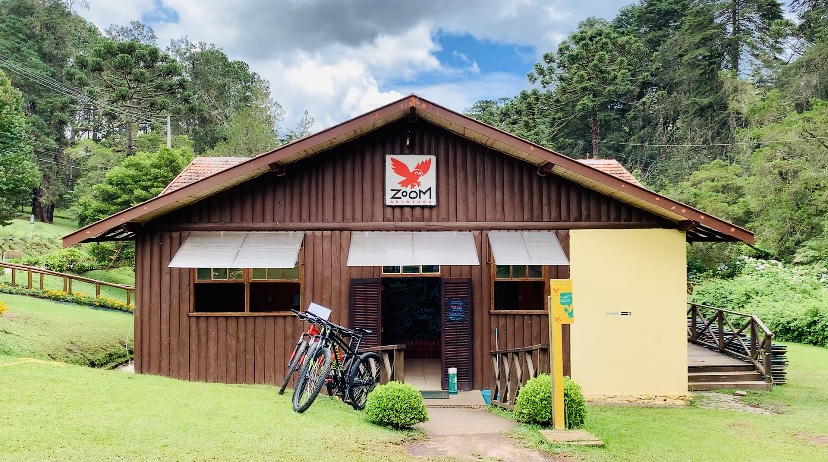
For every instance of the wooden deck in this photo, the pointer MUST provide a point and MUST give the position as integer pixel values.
(710, 370)
(699, 356)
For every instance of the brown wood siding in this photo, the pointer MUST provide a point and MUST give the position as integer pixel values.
(346, 185)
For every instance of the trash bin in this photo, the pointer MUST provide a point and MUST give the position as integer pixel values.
(487, 396)
(452, 380)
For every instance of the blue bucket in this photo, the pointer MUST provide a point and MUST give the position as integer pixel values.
(487, 396)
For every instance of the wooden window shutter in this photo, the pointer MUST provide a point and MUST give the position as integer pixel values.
(457, 331)
(366, 307)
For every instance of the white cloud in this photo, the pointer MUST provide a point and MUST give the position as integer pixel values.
(338, 59)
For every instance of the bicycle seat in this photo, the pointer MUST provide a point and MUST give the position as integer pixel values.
(363, 331)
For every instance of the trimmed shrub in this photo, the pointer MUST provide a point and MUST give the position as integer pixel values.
(395, 404)
(534, 402)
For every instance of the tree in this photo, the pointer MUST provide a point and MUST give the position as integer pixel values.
(594, 72)
(789, 189)
(17, 168)
(37, 40)
(136, 31)
(138, 82)
(813, 18)
(748, 28)
(137, 179)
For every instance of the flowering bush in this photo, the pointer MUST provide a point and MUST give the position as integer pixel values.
(3, 308)
(77, 298)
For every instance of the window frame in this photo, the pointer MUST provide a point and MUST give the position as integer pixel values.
(543, 279)
(247, 279)
(419, 274)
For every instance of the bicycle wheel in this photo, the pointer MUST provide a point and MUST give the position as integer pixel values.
(313, 376)
(297, 359)
(362, 378)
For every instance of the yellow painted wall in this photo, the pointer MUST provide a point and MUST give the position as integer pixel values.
(639, 271)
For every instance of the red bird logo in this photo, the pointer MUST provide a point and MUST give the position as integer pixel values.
(411, 178)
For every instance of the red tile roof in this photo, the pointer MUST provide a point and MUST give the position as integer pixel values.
(611, 166)
(200, 168)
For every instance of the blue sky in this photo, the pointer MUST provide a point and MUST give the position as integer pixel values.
(340, 58)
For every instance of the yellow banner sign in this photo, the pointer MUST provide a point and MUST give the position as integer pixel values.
(560, 294)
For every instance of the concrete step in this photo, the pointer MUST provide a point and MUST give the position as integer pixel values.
(747, 376)
(705, 386)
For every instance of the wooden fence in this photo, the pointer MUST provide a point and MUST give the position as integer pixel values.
(392, 362)
(29, 272)
(740, 335)
(513, 368)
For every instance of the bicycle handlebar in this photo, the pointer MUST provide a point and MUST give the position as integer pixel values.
(312, 318)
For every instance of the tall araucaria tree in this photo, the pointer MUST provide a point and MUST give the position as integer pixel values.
(138, 82)
(594, 71)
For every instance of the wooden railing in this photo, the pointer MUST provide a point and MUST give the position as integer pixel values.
(513, 368)
(392, 362)
(30, 271)
(740, 335)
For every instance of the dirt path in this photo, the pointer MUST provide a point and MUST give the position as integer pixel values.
(472, 435)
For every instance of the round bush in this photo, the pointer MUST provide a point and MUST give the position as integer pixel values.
(395, 404)
(534, 402)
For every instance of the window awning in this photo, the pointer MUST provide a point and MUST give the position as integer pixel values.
(233, 249)
(526, 248)
(376, 248)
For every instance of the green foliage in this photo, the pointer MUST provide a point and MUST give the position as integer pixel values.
(593, 72)
(792, 300)
(574, 404)
(534, 402)
(137, 179)
(77, 298)
(18, 172)
(789, 189)
(69, 259)
(395, 404)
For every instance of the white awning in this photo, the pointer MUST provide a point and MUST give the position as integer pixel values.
(233, 249)
(526, 248)
(375, 248)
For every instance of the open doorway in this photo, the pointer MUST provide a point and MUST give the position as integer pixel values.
(411, 315)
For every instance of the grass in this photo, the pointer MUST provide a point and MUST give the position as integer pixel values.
(38, 240)
(35, 328)
(65, 412)
(692, 433)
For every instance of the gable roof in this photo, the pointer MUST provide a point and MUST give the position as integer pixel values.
(200, 168)
(613, 167)
(699, 225)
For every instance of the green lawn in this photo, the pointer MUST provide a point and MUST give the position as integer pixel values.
(38, 240)
(65, 412)
(35, 328)
(696, 434)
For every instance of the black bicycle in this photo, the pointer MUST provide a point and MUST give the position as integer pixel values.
(333, 359)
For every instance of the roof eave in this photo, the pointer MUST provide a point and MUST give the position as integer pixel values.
(450, 120)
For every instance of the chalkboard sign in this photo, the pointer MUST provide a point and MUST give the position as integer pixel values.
(455, 309)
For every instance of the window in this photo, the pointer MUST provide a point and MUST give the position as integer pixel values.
(236, 290)
(411, 269)
(519, 287)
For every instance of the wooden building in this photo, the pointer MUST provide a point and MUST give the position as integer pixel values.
(429, 227)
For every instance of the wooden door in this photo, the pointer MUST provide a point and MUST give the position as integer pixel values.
(366, 308)
(457, 331)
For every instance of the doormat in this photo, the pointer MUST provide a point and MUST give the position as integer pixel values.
(434, 394)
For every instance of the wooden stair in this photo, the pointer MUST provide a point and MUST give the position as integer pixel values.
(711, 370)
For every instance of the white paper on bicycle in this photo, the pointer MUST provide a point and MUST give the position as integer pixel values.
(319, 310)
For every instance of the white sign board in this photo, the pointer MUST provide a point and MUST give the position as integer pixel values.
(410, 180)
